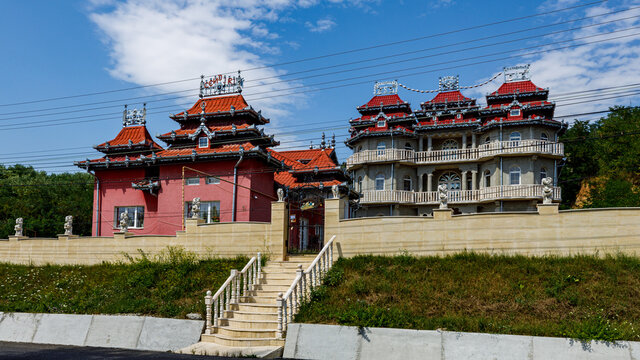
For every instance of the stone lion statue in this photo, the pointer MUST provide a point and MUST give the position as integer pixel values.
(280, 195)
(18, 227)
(124, 221)
(547, 190)
(195, 208)
(68, 225)
(336, 191)
(442, 196)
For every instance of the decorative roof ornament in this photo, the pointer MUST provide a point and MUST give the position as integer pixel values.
(449, 83)
(221, 84)
(323, 143)
(135, 116)
(333, 141)
(385, 87)
(310, 144)
(516, 73)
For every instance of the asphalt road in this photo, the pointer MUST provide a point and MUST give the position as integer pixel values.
(11, 350)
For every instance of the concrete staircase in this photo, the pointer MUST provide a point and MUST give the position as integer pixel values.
(253, 321)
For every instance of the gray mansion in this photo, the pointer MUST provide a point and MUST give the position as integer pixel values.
(491, 158)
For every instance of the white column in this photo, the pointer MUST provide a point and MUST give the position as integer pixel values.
(473, 140)
(429, 182)
(464, 140)
(429, 143)
(464, 180)
(421, 143)
(420, 178)
(474, 179)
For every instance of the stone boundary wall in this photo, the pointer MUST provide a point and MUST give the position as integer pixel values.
(113, 331)
(545, 232)
(352, 343)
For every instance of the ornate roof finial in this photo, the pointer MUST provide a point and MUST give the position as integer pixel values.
(201, 85)
(323, 143)
(221, 84)
(385, 87)
(333, 141)
(203, 105)
(185, 114)
(144, 114)
(311, 145)
(516, 73)
(124, 116)
(449, 83)
(134, 117)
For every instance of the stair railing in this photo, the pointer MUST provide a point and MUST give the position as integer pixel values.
(305, 282)
(237, 285)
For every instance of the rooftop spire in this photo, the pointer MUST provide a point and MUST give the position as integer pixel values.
(323, 143)
(449, 83)
(221, 84)
(135, 116)
(516, 73)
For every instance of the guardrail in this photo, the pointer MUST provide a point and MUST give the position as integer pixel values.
(459, 196)
(238, 284)
(457, 155)
(303, 284)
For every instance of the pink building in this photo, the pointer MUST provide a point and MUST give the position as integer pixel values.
(219, 154)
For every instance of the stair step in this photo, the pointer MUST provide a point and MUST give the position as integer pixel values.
(246, 333)
(284, 282)
(274, 288)
(246, 315)
(258, 308)
(250, 324)
(245, 342)
(259, 299)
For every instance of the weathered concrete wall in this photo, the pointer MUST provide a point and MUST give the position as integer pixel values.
(352, 343)
(126, 332)
(547, 231)
(220, 239)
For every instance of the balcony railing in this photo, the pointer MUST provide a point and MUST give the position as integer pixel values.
(483, 151)
(493, 193)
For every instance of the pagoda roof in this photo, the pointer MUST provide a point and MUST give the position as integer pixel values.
(130, 136)
(190, 130)
(382, 101)
(307, 160)
(448, 97)
(220, 105)
(517, 87)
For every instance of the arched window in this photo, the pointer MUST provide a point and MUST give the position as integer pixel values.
(380, 182)
(407, 183)
(515, 136)
(487, 178)
(380, 148)
(360, 183)
(450, 145)
(408, 146)
(451, 179)
(359, 148)
(544, 137)
(487, 140)
(543, 173)
(514, 175)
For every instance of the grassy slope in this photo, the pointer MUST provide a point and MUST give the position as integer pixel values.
(581, 297)
(171, 285)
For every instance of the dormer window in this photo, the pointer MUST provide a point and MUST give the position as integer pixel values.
(459, 116)
(203, 142)
(514, 112)
(381, 123)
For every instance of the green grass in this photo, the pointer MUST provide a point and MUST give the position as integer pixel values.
(582, 297)
(171, 284)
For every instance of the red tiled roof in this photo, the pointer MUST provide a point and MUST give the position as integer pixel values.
(385, 100)
(218, 103)
(449, 96)
(519, 86)
(321, 158)
(227, 148)
(137, 134)
(192, 129)
(391, 115)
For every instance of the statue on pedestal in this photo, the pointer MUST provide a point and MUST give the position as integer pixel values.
(442, 196)
(18, 227)
(68, 225)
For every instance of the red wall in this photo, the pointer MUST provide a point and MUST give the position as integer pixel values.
(163, 213)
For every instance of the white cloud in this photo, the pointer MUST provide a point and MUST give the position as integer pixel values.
(441, 3)
(590, 66)
(320, 25)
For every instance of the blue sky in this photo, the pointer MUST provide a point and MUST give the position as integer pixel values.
(68, 48)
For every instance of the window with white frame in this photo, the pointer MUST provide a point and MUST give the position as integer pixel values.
(213, 180)
(515, 136)
(408, 146)
(514, 175)
(514, 112)
(203, 142)
(209, 211)
(192, 181)
(407, 183)
(136, 216)
(360, 183)
(380, 182)
(487, 178)
(544, 137)
(381, 123)
(380, 148)
(543, 173)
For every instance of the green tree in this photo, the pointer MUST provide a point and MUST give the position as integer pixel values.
(581, 162)
(613, 192)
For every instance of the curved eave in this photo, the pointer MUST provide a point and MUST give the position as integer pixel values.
(168, 138)
(256, 115)
(363, 109)
(510, 96)
(180, 158)
(364, 134)
(543, 122)
(525, 107)
(126, 148)
(435, 127)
